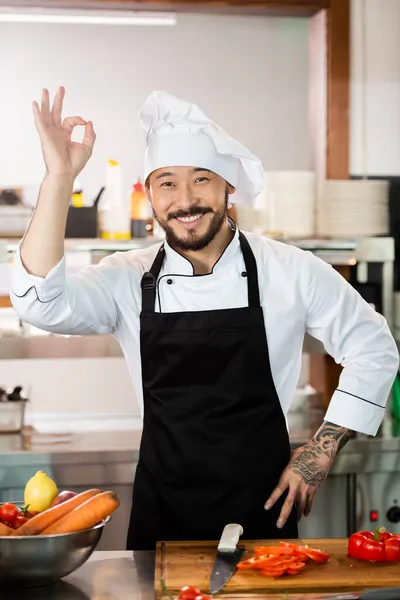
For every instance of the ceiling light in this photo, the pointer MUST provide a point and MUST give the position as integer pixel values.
(84, 16)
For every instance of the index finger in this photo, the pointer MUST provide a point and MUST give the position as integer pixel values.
(70, 123)
(276, 494)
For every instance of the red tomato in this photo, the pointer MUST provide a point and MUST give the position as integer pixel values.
(19, 520)
(28, 513)
(203, 597)
(188, 592)
(8, 512)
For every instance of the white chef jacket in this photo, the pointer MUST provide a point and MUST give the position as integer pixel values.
(299, 293)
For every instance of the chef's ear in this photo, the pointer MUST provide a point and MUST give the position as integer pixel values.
(230, 189)
(147, 188)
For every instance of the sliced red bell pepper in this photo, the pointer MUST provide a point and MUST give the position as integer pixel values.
(251, 563)
(293, 571)
(275, 561)
(298, 566)
(270, 572)
(316, 555)
(377, 546)
(278, 550)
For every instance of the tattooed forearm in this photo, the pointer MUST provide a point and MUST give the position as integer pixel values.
(331, 438)
(313, 461)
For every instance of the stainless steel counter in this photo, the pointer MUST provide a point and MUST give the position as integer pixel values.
(73, 448)
(363, 455)
(115, 576)
(106, 576)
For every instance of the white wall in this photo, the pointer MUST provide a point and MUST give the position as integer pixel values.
(70, 394)
(249, 73)
(375, 88)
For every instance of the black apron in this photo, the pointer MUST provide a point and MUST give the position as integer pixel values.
(214, 440)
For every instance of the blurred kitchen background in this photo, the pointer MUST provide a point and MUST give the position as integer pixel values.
(312, 88)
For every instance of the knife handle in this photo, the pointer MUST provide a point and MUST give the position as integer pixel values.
(230, 537)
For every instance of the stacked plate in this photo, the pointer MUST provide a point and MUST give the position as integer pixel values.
(353, 208)
(286, 207)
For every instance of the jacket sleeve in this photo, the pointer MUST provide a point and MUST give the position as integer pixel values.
(82, 303)
(359, 339)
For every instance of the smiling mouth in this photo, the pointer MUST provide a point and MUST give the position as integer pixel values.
(189, 219)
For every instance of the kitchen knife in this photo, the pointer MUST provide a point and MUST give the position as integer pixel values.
(392, 593)
(228, 556)
(369, 594)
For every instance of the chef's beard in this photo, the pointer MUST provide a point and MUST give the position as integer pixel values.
(192, 241)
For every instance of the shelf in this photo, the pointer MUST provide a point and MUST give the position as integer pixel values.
(59, 346)
(98, 245)
(83, 346)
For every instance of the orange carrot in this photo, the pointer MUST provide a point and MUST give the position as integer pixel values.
(5, 529)
(87, 515)
(46, 518)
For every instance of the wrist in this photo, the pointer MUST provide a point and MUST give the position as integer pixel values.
(64, 179)
(323, 451)
(331, 438)
(58, 187)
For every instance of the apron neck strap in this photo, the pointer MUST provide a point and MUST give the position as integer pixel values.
(149, 279)
(251, 270)
(149, 282)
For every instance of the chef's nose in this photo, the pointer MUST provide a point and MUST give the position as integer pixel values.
(186, 198)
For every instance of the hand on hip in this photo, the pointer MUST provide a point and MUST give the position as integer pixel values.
(307, 469)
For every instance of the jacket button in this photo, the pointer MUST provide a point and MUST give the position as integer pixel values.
(243, 274)
(169, 281)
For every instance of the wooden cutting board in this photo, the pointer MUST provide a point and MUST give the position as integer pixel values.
(191, 563)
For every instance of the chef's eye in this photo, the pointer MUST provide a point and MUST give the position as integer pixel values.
(167, 184)
(201, 179)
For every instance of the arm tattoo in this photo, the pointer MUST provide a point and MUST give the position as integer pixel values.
(331, 438)
(312, 462)
(307, 464)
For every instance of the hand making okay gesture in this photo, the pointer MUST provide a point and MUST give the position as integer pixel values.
(61, 155)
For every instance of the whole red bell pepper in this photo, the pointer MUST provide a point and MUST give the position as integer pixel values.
(377, 546)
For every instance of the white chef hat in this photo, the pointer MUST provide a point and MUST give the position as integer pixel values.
(178, 133)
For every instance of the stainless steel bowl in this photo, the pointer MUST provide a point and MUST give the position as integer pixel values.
(44, 559)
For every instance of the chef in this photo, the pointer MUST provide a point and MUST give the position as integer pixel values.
(211, 323)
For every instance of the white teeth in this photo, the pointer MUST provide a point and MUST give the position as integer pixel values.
(189, 219)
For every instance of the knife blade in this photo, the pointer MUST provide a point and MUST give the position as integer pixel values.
(392, 593)
(368, 594)
(228, 556)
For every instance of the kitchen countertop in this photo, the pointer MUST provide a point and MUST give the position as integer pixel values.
(113, 576)
(363, 455)
(82, 447)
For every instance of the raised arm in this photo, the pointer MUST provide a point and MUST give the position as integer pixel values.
(43, 245)
(41, 292)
